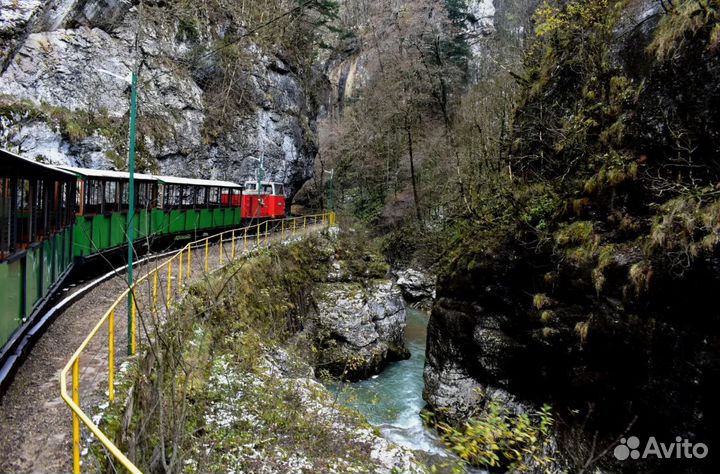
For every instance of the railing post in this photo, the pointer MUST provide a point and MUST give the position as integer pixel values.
(221, 249)
(266, 232)
(76, 419)
(232, 251)
(187, 272)
(207, 255)
(180, 273)
(156, 279)
(257, 234)
(133, 323)
(111, 355)
(169, 283)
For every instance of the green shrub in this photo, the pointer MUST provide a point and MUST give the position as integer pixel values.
(501, 439)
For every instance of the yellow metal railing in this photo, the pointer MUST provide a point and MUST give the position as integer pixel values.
(287, 228)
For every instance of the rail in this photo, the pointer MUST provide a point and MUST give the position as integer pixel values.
(287, 228)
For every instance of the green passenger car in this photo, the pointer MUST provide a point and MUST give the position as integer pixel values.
(167, 206)
(51, 218)
(36, 235)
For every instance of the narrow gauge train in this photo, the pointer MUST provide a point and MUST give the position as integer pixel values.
(53, 217)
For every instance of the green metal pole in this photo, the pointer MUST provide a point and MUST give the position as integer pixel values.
(260, 178)
(131, 206)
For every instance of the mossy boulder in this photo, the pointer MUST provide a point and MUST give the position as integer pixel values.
(358, 328)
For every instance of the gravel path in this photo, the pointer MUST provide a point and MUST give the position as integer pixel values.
(35, 424)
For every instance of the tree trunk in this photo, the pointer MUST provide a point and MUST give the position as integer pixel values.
(412, 170)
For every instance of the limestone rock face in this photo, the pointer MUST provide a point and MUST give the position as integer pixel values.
(359, 328)
(418, 288)
(65, 66)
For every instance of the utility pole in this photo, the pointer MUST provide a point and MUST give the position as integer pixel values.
(131, 184)
(131, 207)
(133, 80)
(259, 175)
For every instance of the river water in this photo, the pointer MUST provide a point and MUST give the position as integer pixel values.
(392, 400)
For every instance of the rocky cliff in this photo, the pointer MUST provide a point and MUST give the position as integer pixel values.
(358, 326)
(593, 288)
(210, 101)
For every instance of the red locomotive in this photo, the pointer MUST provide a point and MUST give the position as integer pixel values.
(269, 203)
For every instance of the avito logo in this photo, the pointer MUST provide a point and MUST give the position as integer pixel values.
(680, 449)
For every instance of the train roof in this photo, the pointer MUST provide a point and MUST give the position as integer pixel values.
(197, 182)
(107, 174)
(15, 161)
(253, 181)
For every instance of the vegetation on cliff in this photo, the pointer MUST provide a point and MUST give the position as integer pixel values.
(585, 274)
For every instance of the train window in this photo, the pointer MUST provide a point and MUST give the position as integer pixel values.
(78, 197)
(57, 209)
(188, 196)
(111, 196)
(279, 190)
(125, 195)
(145, 195)
(175, 192)
(267, 188)
(23, 213)
(93, 196)
(70, 190)
(37, 216)
(200, 196)
(172, 196)
(227, 197)
(6, 191)
(53, 211)
(62, 219)
(23, 198)
(153, 200)
(142, 200)
(214, 197)
(250, 187)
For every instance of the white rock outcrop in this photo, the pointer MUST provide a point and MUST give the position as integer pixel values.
(359, 327)
(75, 56)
